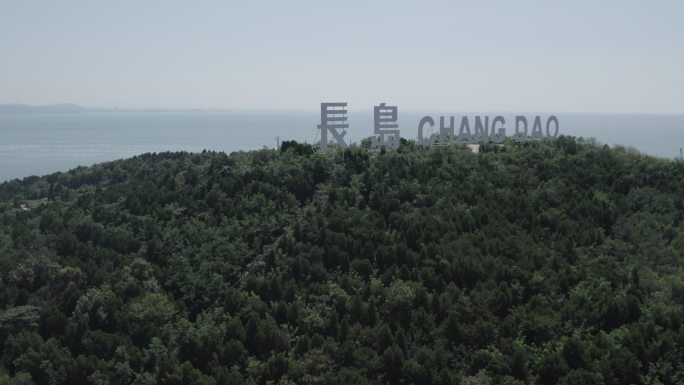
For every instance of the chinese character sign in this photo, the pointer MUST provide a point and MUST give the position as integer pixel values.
(385, 127)
(333, 118)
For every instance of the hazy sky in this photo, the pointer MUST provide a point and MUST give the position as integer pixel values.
(583, 56)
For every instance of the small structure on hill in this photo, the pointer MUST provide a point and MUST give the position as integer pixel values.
(474, 148)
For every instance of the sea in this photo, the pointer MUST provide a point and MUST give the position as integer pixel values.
(44, 143)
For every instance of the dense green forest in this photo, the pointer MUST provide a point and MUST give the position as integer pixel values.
(538, 263)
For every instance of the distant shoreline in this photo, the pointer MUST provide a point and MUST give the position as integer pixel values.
(68, 108)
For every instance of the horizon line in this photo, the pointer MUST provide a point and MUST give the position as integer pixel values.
(81, 108)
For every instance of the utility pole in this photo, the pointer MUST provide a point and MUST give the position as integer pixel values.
(278, 142)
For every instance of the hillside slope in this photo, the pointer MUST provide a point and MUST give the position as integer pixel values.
(525, 264)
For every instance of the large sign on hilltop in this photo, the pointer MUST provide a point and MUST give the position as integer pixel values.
(470, 131)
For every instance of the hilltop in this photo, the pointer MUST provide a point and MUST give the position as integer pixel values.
(540, 263)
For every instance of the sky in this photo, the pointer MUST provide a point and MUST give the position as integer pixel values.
(565, 56)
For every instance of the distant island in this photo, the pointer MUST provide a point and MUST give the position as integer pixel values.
(13, 108)
(17, 108)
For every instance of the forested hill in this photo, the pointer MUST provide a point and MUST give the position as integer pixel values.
(541, 263)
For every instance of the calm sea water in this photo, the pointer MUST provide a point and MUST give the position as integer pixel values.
(39, 144)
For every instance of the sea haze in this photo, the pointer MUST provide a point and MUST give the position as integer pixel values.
(42, 143)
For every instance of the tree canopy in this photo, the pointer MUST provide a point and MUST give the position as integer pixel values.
(538, 263)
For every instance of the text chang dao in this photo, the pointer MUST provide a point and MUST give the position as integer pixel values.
(449, 131)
